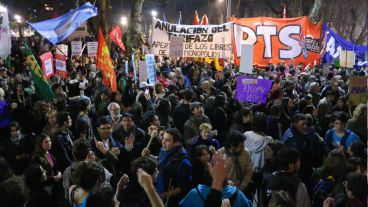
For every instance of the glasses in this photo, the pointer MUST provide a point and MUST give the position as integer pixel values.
(105, 128)
(114, 109)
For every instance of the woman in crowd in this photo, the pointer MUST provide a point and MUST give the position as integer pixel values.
(206, 138)
(163, 111)
(201, 157)
(243, 120)
(51, 125)
(287, 106)
(358, 122)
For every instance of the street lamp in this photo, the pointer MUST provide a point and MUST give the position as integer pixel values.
(2, 9)
(154, 14)
(124, 21)
(18, 18)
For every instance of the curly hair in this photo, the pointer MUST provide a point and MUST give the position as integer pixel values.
(88, 175)
(359, 111)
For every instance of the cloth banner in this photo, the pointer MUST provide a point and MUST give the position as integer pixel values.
(76, 48)
(60, 65)
(333, 44)
(151, 70)
(116, 35)
(252, 90)
(47, 64)
(104, 63)
(41, 84)
(213, 41)
(62, 49)
(358, 92)
(276, 39)
(58, 29)
(92, 49)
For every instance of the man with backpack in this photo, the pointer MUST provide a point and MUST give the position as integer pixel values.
(286, 179)
(339, 136)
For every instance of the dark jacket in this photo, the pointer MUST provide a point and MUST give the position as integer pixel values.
(274, 127)
(174, 168)
(276, 181)
(191, 127)
(181, 114)
(12, 149)
(62, 148)
(294, 138)
(108, 160)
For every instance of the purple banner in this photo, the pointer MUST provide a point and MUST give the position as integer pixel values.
(252, 90)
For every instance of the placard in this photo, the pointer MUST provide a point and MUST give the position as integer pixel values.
(60, 66)
(47, 64)
(151, 70)
(358, 91)
(76, 48)
(252, 90)
(62, 49)
(143, 75)
(176, 46)
(246, 60)
(92, 49)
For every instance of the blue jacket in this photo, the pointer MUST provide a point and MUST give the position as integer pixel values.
(193, 199)
(174, 165)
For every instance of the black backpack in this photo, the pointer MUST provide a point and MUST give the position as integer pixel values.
(343, 140)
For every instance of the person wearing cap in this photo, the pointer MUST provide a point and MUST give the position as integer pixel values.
(191, 126)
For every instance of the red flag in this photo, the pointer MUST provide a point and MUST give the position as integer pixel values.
(196, 18)
(116, 35)
(47, 64)
(60, 65)
(284, 11)
(204, 20)
(104, 63)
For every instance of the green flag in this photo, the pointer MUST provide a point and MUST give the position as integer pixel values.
(42, 86)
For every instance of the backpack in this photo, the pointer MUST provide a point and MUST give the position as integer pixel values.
(321, 190)
(343, 140)
(231, 199)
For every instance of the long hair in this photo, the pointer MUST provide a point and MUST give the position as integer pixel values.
(39, 151)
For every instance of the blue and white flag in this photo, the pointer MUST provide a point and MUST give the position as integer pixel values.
(5, 39)
(179, 20)
(333, 44)
(58, 29)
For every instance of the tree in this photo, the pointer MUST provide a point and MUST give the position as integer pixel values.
(135, 36)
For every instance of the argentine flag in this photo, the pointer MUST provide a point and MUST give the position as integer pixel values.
(58, 29)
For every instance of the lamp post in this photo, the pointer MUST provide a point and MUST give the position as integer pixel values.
(124, 22)
(228, 8)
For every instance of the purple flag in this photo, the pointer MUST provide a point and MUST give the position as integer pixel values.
(252, 90)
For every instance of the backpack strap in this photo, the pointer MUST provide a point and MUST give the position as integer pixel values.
(233, 197)
(330, 139)
(345, 138)
(200, 194)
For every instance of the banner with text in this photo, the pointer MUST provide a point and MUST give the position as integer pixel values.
(76, 48)
(47, 64)
(213, 41)
(358, 92)
(252, 90)
(60, 66)
(92, 49)
(62, 49)
(276, 40)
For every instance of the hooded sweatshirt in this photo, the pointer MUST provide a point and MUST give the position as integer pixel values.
(256, 143)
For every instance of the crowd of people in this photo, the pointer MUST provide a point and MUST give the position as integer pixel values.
(184, 141)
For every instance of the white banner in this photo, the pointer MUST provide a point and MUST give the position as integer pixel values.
(213, 41)
(76, 47)
(92, 49)
(62, 49)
